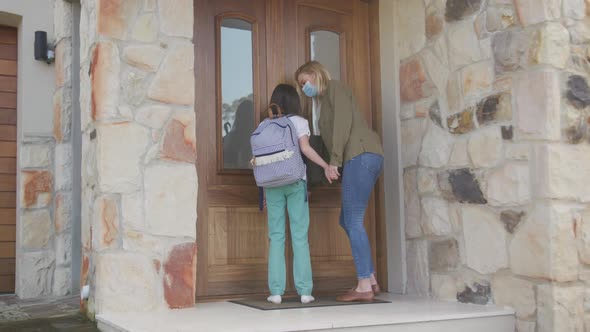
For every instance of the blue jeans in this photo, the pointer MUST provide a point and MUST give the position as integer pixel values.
(358, 179)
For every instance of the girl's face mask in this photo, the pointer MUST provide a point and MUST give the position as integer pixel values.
(310, 90)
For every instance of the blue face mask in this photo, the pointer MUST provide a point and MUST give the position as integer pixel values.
(310, 90)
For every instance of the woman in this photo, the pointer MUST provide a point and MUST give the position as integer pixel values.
(355, 147)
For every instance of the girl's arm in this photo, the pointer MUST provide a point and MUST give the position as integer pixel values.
(312, 155)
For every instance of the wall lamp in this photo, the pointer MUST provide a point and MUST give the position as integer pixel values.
(42, 51)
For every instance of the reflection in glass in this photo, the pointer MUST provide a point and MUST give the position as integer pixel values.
(325, 48)
(237, 119)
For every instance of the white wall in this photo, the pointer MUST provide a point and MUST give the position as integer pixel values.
(36, 79)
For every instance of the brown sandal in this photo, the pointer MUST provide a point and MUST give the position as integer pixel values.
(354, 296)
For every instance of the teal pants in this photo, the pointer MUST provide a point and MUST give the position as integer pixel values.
(293, 197)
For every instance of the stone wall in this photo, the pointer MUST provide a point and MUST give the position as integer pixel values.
(36, 259)
(496, 154)
(45, 171)
(139, 184)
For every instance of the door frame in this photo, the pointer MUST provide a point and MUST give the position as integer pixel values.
(390, 239)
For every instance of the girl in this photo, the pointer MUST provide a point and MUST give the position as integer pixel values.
(294, 197)
(355, 147)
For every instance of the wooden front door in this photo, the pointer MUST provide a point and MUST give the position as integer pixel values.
(243, 49)
(8, 70)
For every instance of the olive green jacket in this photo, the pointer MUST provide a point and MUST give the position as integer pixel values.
(342, 127)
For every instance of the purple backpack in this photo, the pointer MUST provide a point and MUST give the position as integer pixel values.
(277, 157)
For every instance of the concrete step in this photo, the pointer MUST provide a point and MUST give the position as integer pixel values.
(405, 313)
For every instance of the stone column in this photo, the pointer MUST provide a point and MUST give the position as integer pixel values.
(62, 124)
(496, 154)
(139, 183)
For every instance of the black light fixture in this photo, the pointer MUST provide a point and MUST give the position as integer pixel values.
(42, 51)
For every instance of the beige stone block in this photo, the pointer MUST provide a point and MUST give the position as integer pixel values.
(443, 287)
(146, 57)
(485, 147)
(105, 78)
(106, 226)
(459, 156)
(63, 212)
(509, 185)
(516, 293)
(453, 92)
(149, 5)
(575, 9)
(414, 82)
(580, 32)
(518, 151)
(435, 217)
(412, 132)
(62, 281)
(179, 138)
(176, 17)
(562, 171)
(544, 246)
(63, 249)
(500, 18)
(62, 19)
(171, 199)
(35, 156)
(119, 160)
(412, 208)
(153, 116)
(538, 105)
(537, 11)
(36, 229)
(114, 17)
(464, 47)
(410, 18)
(477, 78)
(551, 46)
(132, 210)
(417, 268)
(436, 147)
(128, 283)
(35, 274)
(436, 68)
(485, 240)
(145, 29)
(583, 236)
(63, 167)
(174, 82)
(560, 308)
(427, 181)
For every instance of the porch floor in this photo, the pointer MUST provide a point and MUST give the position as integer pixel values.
(407, 313)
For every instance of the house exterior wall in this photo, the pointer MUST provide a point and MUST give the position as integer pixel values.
(496, 154)
(139, 184)
(43, 247)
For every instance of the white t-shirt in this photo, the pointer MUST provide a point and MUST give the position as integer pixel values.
(302, 129)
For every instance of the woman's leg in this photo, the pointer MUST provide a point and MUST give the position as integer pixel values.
(275, 204)
(298, 208)
(359, 177)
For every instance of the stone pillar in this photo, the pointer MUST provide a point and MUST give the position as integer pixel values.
(496, 154)
(139, 183)
(62, 124)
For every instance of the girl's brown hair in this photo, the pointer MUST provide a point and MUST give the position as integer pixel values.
(321, 73)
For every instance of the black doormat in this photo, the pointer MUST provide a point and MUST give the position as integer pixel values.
(260, 303)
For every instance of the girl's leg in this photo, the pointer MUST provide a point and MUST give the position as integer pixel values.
(275, 204)
(359, 177)
(298, 208)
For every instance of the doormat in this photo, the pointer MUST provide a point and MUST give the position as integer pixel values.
(260, 303)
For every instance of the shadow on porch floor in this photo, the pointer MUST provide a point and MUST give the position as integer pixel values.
(405, 313)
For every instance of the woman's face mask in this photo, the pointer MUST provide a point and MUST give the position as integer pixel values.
(310, 90)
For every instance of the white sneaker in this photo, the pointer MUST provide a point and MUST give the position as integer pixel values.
(276, 299)
(305, 299)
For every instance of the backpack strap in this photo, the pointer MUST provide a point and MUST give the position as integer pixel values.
(261, 198)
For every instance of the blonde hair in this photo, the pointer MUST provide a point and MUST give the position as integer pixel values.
(321, 73)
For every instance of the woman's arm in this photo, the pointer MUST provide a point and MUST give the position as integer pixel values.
(312, 155)
(343, 105)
